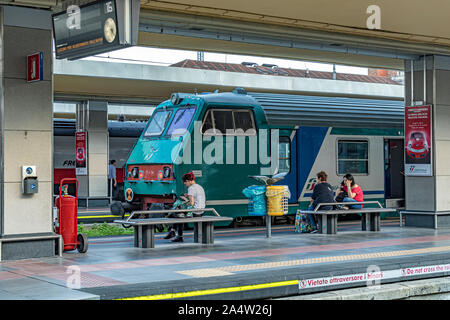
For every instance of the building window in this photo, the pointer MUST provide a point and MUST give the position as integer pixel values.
(284, 155)
(353, 157)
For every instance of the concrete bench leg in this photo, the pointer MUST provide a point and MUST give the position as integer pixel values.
(364, 218)
(197, 231)
(323, 225)
(328, 224)
(148, 236)
(332, 224)
(375, 221)
(370, 221)
(207, 232)
(144, 236)
(136, 236)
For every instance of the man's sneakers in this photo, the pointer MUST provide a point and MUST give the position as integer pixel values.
(177, 239)
(314, 231)
(170, 235)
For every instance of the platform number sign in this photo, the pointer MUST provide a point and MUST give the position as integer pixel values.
(89, 30)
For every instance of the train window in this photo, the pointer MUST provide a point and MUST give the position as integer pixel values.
(181, 121)
(229, 122)
(353, 157)
(223, 121)
(284, 155)
(207, 122)
(158, 123)
(243, 120)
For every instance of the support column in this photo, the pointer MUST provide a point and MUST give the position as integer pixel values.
(26, 115)
(427, 80)
(92, 117)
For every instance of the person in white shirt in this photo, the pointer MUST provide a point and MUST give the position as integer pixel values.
(197, 200)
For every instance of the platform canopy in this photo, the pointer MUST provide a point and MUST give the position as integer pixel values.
(300, 110)
(355, 32)
(368, 33)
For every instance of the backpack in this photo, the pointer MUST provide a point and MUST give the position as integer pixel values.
(302, 224)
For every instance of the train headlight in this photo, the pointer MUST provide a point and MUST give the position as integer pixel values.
(135, 173)
(129, 194)
(166, 172)
(175, 98)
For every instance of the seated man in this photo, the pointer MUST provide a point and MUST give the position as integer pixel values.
(197, 200)
(322, 193)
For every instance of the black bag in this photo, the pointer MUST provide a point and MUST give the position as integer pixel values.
(340, 197)
(176, 215)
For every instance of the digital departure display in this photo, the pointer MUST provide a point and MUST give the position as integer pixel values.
(86, 30)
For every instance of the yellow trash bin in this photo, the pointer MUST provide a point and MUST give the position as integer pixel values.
(277, 200)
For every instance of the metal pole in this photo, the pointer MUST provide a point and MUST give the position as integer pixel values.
(110, 190)
(424, 79)
(268, 226)
(412, 82)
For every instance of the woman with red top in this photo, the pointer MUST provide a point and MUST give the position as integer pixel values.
(354, 191)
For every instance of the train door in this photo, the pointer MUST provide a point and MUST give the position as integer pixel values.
(394, 172)
(287, 157)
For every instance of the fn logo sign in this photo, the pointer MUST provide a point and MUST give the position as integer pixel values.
(35, 67)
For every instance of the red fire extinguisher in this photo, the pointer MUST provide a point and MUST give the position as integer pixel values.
(66, 223)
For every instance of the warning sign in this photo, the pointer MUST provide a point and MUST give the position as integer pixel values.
(371, 277)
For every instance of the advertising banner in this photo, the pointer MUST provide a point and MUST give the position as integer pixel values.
(418, 141)
(81, 153)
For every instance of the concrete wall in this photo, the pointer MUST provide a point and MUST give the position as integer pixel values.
(26, 121)
(431, 193)
(98, 148)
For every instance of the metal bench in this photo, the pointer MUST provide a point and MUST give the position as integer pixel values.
(144, 229)
(370, 217)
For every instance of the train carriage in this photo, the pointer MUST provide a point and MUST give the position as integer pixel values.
(332, 136)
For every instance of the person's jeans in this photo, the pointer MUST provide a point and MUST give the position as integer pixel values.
(353, 206)
(311, 217)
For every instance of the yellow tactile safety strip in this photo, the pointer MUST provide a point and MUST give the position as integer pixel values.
(104, 216)
(211, 272)
(214, 291)
(228, 270)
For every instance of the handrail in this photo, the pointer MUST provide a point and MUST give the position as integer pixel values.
(172, 210)
(347, 203)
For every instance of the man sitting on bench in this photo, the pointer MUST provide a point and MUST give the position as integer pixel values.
(197, 200)
(322, 193)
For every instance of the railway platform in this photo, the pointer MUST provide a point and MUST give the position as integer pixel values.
(242, 264)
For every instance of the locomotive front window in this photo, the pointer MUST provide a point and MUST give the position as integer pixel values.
(158, 123)
(181, 121)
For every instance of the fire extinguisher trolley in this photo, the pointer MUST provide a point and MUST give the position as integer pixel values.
(67, 218)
